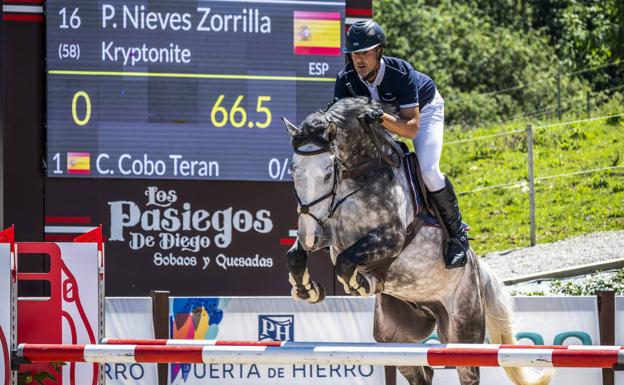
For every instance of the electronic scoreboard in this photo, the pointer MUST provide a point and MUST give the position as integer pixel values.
(168, 89)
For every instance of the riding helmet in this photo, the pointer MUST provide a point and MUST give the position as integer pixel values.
(364, 35)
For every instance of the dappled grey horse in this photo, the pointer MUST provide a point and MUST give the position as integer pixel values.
(354, 197)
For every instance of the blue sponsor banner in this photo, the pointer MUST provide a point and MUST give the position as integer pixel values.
(272, 319)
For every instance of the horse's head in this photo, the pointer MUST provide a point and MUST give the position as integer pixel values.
(313, 170)
(328, 144)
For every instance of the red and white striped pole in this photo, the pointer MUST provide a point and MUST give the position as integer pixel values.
(387, 354)
(293, 344)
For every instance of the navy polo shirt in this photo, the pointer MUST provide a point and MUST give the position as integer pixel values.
(400, 85)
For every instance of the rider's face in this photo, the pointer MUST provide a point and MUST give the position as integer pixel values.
(366, 61)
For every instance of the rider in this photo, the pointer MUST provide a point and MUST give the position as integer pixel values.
(421, 117)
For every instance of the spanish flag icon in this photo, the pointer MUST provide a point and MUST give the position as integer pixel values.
(78, 163)
(316, 33)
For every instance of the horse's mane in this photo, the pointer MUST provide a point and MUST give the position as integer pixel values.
(350, 139)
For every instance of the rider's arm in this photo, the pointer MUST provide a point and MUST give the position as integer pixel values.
(405, 125)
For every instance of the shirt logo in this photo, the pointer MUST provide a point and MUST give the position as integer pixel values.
(276, 327)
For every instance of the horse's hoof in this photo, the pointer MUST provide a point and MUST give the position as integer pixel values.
(320, 290)
(312, 292)
(363, 285)
(367, 285)
(295, 294)
(303, 294)
(316, 293)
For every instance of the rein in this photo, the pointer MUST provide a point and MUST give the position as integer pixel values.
(369, 130)
(340, 174)
(380, 151)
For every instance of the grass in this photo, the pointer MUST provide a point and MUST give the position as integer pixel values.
(566, 205)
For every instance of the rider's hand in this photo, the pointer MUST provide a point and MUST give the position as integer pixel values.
(372, 116)
(330, 104)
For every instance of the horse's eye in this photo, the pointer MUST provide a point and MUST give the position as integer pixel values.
(327, 177)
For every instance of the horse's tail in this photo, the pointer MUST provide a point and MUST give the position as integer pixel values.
(499, 326)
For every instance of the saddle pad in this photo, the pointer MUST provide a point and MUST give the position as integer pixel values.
(414, 176)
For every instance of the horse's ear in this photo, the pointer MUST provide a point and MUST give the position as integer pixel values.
(331, 131)
(291, 128)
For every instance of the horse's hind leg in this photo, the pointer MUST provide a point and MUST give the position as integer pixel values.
(455, 331)
(417, 375)
(400, 321)
(465, 324)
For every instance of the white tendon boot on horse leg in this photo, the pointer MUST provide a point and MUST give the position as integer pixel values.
(353, 286)
(309, 291)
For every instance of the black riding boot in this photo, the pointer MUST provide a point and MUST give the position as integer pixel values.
(456, 250)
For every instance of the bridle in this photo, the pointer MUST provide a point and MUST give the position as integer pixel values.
(305, 208)
(340, 172)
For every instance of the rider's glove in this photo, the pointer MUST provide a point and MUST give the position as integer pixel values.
(372, 116)
(330, 104)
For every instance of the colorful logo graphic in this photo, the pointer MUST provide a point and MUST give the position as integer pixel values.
(194, 319)
(78, 163)
(316, 33)
(276, 327)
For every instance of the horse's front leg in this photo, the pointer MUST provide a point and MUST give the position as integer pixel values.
(354, 282)
(377, 244)
(298, 276)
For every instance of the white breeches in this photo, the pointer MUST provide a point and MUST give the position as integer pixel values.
(428, 143)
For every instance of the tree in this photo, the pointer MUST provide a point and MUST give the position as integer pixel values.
(471, 57)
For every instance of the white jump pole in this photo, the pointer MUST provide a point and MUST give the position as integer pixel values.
(387, 354)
